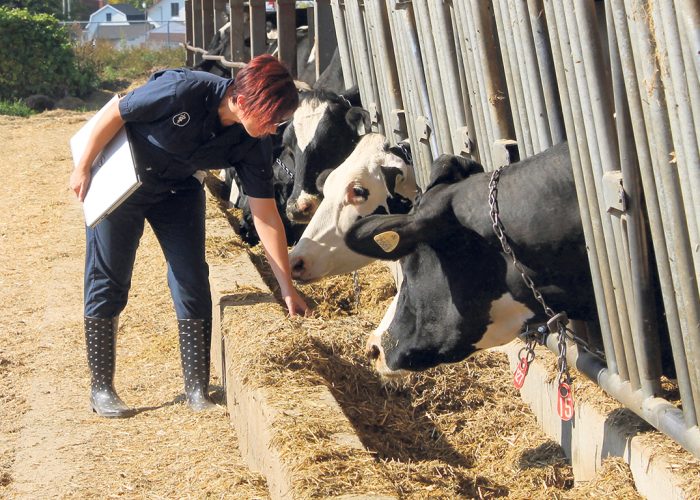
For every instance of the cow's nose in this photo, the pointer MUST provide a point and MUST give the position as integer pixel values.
(304, 207)
(373, 352)
(297, 265)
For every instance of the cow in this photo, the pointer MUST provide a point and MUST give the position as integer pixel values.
(374, 179)
(325, 129)
(331, 124)
(460, 292)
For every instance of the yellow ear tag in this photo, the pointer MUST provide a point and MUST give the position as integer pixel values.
(388, 240)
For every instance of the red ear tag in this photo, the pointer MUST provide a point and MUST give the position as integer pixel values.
(565, 402)
(521, 373)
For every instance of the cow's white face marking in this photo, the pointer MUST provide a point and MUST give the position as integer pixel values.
(375, 341)
(507, 318)
(322, 247)
(306, 119)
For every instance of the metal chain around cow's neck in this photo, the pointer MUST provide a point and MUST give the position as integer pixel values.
(556, 322)
(285, 168)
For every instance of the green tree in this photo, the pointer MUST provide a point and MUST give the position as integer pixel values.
(36, 57)
(52, 7)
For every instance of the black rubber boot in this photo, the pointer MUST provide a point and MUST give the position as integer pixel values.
(195, 350)
(101, 342)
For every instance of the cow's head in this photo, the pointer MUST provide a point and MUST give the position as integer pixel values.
(453, 299)
(325, 129)
(373, 179)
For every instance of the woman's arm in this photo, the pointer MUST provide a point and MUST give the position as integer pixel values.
(271, 231)
(106, 128)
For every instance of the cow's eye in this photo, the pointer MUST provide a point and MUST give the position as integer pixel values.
(360, 192)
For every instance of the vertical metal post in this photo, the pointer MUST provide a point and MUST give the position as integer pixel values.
(607, 312)
(197, 38)
(689, 27)
(512, 72)
(207, 23)
(189, 32)
(481, 149)
(538, 21)
(287, 33)
(237, 32)
(219, 13)
(656, 119)
(258, 29)
(602, 144)
(678, 104)
(342, 37)
(533, 75)
(325, 35)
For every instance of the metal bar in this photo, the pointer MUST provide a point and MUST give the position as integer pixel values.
(432, 75)
(682, 129)
(197, 39)
(658, 412)
(419, 102)
(258, 32)
(644, 312)
(324, 35)
(189, 33)
(386, 55)
(516, 107)
(637, 112)
(449, 74)
(342, 37)
(237, 30)
(533, 76)
(362, 59)
(287, 34)
(494, 81)
(481, 94)
(656, 119)
(382, 109)
(689, 27)
(597, 111)
(544, 58)
(571, 107)
(467, 134)
(482, 148)
(509, 12)
(220, 17)
(207, 22)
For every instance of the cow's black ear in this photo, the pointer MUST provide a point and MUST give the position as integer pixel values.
(359, 120)
(352, 95)
(385, 237)
(321, 179)
(403, 151)
(448, 169)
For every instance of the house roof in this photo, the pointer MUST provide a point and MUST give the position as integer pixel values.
(127, 9)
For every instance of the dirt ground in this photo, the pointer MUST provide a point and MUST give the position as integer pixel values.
(53, 446)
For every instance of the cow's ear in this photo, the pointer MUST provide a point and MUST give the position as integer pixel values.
(321, 179)
(403, 151)
(448, 169)
(386, 237)
(358, 119)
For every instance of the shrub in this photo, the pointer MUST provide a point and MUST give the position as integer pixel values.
(36, 57)
(15, 108)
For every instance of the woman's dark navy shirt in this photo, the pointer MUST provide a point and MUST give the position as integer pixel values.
(174, 128)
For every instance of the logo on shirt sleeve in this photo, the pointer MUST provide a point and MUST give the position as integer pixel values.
(181, 119)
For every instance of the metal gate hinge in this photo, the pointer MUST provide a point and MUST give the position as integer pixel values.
(614, 193)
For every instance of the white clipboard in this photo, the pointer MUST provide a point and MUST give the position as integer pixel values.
(114, 176)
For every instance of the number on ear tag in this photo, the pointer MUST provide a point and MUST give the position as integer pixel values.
(521, 373)
(565, 402)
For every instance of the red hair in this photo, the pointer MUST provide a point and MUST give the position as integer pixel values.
(267, 88)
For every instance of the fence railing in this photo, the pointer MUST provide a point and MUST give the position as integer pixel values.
(505, 79)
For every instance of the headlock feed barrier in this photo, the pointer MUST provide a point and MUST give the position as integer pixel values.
(500, 80)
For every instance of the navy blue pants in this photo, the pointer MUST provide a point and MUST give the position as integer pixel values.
(177, 219)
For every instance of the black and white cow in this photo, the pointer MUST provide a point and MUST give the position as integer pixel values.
(325, 129)
(374, 179)
(460, 292)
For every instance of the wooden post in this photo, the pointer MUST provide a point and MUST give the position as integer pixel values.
(258, 28)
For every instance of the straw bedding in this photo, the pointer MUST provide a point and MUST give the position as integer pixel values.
(458, 431)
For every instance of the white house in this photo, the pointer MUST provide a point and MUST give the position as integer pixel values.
(115, 22)
(166, 11)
